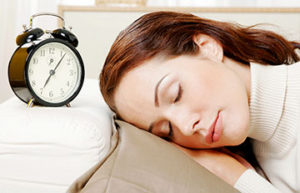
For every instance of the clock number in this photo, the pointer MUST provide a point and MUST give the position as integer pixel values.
(62, 92)
(51, 50)
(72, 72)
(35, 60)
(33, 83)
(69, 61)
(68, 83)
(41, 90)
(42, 52)
(30, 71)
(51, 93)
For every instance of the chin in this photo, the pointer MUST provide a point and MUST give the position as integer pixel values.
(238, 141)
(239, 136)
(235, 139)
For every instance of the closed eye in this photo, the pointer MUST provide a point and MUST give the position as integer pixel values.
(179, 94)
(170, 134)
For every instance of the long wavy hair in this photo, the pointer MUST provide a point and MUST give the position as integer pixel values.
(171, 34)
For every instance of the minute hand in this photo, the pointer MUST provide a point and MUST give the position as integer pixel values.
(59, 62)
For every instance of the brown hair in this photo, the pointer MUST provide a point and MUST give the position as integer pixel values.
(171, 34)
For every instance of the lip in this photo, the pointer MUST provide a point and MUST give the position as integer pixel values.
(215, 130)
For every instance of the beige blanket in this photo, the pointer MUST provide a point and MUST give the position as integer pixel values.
(141, 162)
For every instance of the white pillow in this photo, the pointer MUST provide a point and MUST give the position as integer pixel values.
(44, 149)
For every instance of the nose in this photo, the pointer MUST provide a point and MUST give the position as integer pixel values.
(185, 121)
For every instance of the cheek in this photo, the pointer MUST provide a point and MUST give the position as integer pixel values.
(228, 91)
(198, 89)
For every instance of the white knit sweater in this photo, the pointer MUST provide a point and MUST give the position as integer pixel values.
(275, 129)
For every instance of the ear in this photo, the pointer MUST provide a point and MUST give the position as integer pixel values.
(209, 47)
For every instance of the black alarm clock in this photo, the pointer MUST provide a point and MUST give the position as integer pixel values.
(46, 69)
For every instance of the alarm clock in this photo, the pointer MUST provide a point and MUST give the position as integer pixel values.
(46, 69)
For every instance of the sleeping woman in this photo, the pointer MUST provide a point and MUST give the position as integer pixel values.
(208, 86)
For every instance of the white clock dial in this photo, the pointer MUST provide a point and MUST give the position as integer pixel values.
(54, 72)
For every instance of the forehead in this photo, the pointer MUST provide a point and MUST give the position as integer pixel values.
(134, 96)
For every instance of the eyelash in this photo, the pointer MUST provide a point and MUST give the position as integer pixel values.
(178, 97)
(170, 134)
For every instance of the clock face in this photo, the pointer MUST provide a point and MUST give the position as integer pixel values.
(54, 72)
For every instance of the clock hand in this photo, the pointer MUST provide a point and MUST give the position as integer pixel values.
(52, 72)
(59, 62)
(48, 79)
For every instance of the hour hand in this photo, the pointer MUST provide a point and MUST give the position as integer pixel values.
(47, 81)
(51, 73)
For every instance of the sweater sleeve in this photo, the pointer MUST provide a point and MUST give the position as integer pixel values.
(252, 182)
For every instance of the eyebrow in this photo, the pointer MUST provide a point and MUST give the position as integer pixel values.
(156, 103)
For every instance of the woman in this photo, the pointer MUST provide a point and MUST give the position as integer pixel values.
(206, 84)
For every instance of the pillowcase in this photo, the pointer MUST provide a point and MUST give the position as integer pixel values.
(140, 162)
(44, 149)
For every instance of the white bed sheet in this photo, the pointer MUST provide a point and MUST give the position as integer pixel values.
(45, 149)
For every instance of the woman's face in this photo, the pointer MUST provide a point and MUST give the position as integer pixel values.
(195, 102)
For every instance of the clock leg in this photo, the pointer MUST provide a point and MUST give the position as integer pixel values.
(30, 103)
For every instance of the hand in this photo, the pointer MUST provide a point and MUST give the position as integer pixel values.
(222, 164)
(59, 62)
(52, 72)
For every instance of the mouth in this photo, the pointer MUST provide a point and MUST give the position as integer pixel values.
(215, 130)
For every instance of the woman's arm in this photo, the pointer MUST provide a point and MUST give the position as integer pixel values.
(232, 168)
(252, 182)
(219, 163)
